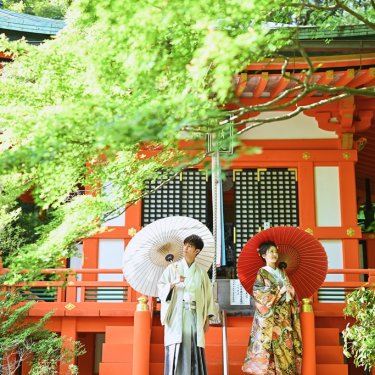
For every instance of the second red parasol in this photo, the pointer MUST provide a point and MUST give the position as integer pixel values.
(304, 255)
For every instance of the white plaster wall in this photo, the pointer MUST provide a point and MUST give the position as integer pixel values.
(333, 249)
(335, 261)
(298, 127)
(76, 262)
(118, 221)
(327, 197)
(110, 256)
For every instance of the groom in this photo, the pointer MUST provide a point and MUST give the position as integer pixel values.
(186, 298)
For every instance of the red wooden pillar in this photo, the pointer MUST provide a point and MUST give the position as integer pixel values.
(9, 362)
(308, 338)
(90, 260)
(86, 361)
(306, 195)
(26, 366)
(69, 333)
(370, 248)
(142, 337)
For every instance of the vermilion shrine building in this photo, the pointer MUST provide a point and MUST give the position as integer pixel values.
(312, 174)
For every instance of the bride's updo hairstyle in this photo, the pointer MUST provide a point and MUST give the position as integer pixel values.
(264, 246)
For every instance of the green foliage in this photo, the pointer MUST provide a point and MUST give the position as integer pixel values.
(43, 8)
(359, 337)
(121, 77)
(29, 340)
(24, 229)
(366, 217)
(326, 14)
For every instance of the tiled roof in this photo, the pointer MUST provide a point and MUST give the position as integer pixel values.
(347, 32)
(30, 24)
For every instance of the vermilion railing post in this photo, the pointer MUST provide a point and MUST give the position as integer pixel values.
(308, 338)
(142, 338)
(71, 289)
(69, 333)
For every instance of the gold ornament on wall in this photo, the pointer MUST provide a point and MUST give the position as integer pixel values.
(132, 232)
(350, 232)
(70, 306)
(306, 155)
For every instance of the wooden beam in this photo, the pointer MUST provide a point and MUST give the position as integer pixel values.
(347, 141)
(326, 78)
(363, 78)
(241, 85)
(280, 87)
(346, 78)
(263, 80)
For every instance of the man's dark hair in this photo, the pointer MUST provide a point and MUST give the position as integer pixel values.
(264, 246)
(195, 241)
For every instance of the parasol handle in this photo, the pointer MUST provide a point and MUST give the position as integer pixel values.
(283, 266)
(169, 258)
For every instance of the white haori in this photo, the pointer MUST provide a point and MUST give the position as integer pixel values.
(197, 287)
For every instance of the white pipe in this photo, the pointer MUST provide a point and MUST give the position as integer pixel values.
(225, 343)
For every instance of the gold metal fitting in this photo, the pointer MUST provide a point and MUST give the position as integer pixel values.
(306, 305)
(70, 306)
(142, 303)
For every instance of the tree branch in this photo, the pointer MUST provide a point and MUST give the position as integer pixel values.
(355, 14)
(339, 5)
(292, 114)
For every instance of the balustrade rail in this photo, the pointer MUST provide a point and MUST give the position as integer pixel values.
(73, 286)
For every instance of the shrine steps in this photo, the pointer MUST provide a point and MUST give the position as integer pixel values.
(329, 352)
(118, 350)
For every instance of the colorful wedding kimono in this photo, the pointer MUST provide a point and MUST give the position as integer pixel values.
(275, 345)
(184, 311)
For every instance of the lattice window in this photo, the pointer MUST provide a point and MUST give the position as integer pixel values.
(278, 197)
(194, 195)
(185, 195)
(264, 197)
(246, 206)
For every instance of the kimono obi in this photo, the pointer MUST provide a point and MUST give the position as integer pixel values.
(189, 305)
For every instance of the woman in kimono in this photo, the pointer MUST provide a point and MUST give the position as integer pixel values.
(185, 293)
(275, 345)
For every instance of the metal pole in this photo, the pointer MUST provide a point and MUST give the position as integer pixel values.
(225, 343)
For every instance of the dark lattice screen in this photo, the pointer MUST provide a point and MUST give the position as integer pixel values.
(264, 196)
(194, 195)
(246, 206)
(185, 195)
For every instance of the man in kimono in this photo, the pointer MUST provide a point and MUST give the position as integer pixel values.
(186, 298)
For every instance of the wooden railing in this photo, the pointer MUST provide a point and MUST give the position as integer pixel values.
(330, 299)
(70, 288)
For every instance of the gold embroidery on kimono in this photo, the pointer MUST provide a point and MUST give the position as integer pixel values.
(275, 345)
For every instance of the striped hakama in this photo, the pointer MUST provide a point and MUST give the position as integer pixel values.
(186, 358)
